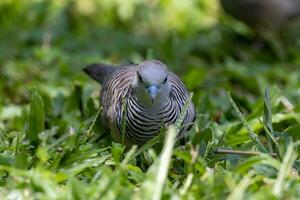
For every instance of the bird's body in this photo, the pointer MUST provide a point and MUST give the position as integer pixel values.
(270, 15)
(139, 100)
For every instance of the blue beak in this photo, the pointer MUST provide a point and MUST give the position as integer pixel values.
(152, 90)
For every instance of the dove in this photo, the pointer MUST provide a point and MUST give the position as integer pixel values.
(139, 100)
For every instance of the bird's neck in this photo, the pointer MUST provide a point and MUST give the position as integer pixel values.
(153, 106)
(158, 104)
(147, 103)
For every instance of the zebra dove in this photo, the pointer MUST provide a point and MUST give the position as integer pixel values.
(271, 15)
(139, 100)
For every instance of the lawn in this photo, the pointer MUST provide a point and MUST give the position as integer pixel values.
(245, 143)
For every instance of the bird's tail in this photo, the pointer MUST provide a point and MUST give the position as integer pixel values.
(98, 71)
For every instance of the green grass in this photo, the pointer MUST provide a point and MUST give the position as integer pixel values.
(52, 145)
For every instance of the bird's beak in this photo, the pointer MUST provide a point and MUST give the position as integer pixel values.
(152, 90)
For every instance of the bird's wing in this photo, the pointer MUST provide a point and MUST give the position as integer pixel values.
(181, 94)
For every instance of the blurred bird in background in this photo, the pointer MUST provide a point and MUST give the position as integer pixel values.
(273, 15)
(273, 20)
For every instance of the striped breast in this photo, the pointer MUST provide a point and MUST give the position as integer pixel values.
(128, 119)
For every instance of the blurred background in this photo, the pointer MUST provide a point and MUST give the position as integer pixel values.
(47, 43)
(47, 103)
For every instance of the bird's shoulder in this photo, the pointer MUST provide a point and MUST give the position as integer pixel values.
(177, 84)
(120, 74)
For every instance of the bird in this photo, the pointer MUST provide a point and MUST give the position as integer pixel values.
(269, 15)
(139, 100)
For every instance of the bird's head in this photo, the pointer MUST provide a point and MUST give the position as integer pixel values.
(152, 86)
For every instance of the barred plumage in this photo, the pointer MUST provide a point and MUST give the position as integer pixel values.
(126, 107)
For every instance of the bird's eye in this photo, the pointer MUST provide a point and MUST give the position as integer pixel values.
(139, 77)
(165, 80)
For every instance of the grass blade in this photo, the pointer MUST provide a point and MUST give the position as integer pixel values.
(239, 190)
(164, 162)
(182, 115)
(286, 166)
(252, 135)
(36, 117)
(267, 118)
